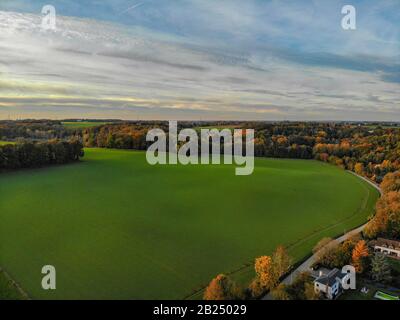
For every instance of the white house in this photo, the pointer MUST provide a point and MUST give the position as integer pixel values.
(390, 248)
(329, 283)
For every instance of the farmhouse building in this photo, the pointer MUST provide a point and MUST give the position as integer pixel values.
(329, 283)
(390, 248)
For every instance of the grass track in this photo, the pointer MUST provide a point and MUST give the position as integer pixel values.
(116, 227)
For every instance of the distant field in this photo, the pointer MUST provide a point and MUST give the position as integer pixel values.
(3, 143)
(231, 127)
(115, 227)
(82, 125)
(383, 126)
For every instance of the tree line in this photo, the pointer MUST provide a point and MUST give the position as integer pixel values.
(39, 154)
(120, 136)
(386, 221)
(33, 130)
(371, 152)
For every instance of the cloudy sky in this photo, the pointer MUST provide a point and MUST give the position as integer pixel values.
(200, 60)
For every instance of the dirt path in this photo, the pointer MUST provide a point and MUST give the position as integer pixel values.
(17, 287)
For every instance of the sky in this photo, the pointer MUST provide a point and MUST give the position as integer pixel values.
(200, 60)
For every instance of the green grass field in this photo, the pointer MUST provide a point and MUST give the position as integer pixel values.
(82, 124)
(8, 290)
(116, 227)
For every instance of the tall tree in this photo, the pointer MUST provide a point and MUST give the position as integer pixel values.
(309, 292)
(280, 293)
(380, 269)
(266, 273)
(391, 182)
(326, 251)
(222, 287)
(359, 168)
(281, 261)
(359, 256)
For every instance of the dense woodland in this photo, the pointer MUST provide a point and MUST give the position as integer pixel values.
(367, 149)
(120, 136)
(39, 154)
(33, 130)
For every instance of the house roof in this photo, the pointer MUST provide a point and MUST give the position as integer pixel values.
(381, 242)
(330, 278)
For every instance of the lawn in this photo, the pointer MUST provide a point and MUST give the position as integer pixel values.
(385, 296)
(375, 291)
(116, 227)
(82, 124)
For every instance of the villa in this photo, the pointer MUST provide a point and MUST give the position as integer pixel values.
(329, 283)
(390, 248)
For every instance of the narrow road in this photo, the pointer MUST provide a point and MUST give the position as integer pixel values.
(306, 265)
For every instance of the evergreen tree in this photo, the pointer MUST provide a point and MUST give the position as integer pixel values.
(380, 269)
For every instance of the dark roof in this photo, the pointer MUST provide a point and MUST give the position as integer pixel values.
(330, 278)
(386, 243)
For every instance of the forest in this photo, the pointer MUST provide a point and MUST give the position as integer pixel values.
(369, 149)
(372, 151)
(39, 154)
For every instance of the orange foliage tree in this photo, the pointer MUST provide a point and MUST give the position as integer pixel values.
(359, 168)
(391, 182)
(222, 288)
(359, 255)
(265, 271)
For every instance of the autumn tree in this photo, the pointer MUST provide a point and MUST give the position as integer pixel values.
(266, 272)
(222, 288)
(391, 182)
(344, 251)
(386, 221)
(302, 288)
(380, 269)
(280, 292)
(359, 168)
(269, 269)
(309, 292)
(359, 256)
(281, 261)
(325, 251)
(255, 289)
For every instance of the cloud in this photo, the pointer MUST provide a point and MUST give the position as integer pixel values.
(206, 60)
